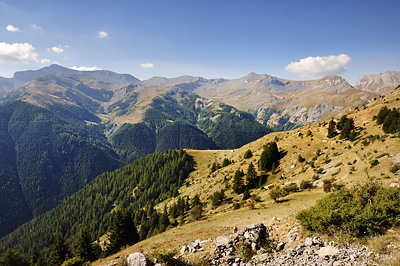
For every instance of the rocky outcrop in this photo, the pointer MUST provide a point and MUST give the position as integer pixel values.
(252, 246)
(380, 83)
(137, 259)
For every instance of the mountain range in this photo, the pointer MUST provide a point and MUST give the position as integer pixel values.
(153, 186)
(61, 128)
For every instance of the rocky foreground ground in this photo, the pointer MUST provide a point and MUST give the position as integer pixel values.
(251, 246)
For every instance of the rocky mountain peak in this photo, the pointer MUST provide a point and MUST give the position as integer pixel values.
(379, 83)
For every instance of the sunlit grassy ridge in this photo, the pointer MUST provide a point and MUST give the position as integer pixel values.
(371, 157)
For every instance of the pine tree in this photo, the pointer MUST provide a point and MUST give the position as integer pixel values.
(187, 205)
(251, 176)
(144, 231)
(129, 229)
(153, 225)
(353, 135)
(238, 183)
(269, 156)
(196, 213)
(246, 194)
(248, 154)
(226, 162)
(13, 258)
(122, 232)
(115, 234)
(331, 129)
(173, 211)
(196, 201)
(138, 217)
(85, 248)
(60, 251)
(36, 259)
(163, 222)
(181, 220)
(346, 129)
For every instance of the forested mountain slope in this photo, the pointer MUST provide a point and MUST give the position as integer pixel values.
(138, 186)
(46, 157)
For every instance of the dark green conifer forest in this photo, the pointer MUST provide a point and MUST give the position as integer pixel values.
(126, 194)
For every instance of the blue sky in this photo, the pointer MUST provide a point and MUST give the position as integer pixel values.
(228, 39)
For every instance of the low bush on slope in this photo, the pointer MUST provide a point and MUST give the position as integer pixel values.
(361, 211)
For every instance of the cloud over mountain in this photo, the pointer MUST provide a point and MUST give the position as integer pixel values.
(57, 50)
(147, 65)
(82, 68)
(17, 53)
(318, 67)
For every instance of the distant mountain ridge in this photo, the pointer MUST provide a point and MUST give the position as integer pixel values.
(22, 77)
(380, 83)
(277, 102)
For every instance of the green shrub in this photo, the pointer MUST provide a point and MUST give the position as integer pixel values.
(300, 159)
(339, 164)
(246, 252)
(168, 257)
(362, 211)
(248, 154)
(305, 184)
(390, 120)
(291, 188)
(374, 162)
(226, 162)
(276, 193)
(327, 186)
(217, 198)
(215, 167)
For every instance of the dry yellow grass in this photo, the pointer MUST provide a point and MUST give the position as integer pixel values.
(349, 163)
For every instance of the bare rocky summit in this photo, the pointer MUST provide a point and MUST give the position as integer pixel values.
(380, 83)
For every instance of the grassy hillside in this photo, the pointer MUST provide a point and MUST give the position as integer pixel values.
(372, 156)
(307, 156)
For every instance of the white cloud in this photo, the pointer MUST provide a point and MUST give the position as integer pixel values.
(12, 28)
(147, 65)
(103, 34)
(82, 68)
(36, 27)
(57, 50)
(44, 61)
(318, 67)
(17, 53)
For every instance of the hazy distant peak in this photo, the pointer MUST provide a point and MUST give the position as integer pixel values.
(381, 83)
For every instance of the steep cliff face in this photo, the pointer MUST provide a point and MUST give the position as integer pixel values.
(380, 83)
